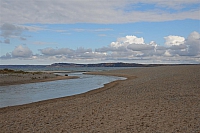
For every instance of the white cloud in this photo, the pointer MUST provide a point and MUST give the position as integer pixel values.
(53, 52)
(128, 48)
(179, 46)
(167, 53)
(99, 11)
(175, 46)
(193, 42)
(193, 36)
(174, 40)
(90, 55)
(122, 45)
(79, 53)
(21, 51)
(125, 41)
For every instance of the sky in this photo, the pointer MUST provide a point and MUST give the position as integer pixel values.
(42, 32)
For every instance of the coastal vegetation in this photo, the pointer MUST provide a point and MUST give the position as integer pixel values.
(12, 77)
(9, 71)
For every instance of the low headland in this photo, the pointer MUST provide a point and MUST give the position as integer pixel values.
(152, 99)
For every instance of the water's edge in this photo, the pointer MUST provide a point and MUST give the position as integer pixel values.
(34, 92)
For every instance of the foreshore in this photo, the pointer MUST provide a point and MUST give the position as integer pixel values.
(152, 99)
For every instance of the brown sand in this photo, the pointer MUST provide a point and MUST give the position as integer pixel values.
(159, 100)
(31, 77)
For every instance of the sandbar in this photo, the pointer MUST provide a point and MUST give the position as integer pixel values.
(30, 77)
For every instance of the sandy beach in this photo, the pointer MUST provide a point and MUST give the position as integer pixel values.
(152, 100)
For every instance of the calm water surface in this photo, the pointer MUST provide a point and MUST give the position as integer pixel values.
(33, 92)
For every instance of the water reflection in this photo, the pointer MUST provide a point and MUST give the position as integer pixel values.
(33, 92)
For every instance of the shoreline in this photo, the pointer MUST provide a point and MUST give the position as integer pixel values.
(94, 91)
(40, 80)
(158, 99)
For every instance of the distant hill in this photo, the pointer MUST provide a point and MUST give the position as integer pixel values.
(58, 65)
(120, 64)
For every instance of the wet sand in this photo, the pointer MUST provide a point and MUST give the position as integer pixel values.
(156, 99)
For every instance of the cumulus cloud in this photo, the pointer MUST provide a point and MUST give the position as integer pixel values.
(128, 48)
(194, 36)
(90, 55)
(175, 46)
(183, 47)
(174, 40)
(122, 44)
(167, 53)
(124, 41)
(193, 43)
(21, 51)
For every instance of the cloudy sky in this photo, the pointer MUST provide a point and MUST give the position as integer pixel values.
(93, 31)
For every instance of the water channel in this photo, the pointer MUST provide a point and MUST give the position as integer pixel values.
(27, 93)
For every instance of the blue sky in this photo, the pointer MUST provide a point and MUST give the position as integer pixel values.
(82, 31)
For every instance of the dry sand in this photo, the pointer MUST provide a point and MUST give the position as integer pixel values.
(151, 100)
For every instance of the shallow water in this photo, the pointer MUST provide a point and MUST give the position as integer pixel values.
(33, 92)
